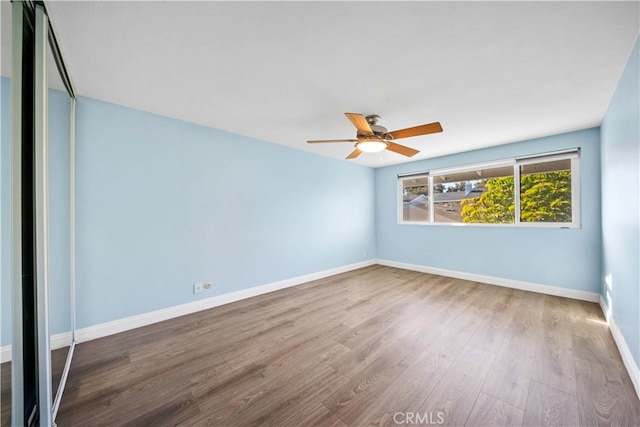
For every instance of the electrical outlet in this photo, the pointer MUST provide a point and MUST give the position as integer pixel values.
(197, 288)
(208, 285)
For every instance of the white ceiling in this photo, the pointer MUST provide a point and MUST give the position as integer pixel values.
(285, 72)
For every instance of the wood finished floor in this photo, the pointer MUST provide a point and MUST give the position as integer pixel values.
(355, 349)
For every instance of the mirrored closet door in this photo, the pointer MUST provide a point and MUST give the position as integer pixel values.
(42, 117)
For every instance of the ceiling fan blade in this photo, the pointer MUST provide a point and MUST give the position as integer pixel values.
(359, 122)
(316, 141)
(417, 130)
(401, 149)
(354, 154)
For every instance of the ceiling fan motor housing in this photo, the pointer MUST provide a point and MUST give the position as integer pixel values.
(376, 128)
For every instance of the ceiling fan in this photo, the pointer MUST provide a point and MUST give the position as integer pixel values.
(372, 137)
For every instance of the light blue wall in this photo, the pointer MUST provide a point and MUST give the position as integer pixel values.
(567, 258)
(59, 270)
(620, 203)
(59, 213)
(5, 213)
(163, 204)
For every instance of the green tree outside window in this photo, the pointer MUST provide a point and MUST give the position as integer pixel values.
(544, 197)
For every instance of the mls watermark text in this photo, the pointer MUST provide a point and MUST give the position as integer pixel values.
(423, 418)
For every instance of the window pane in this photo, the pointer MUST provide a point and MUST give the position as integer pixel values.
(415, 199)
(479, 196)
(545, 191)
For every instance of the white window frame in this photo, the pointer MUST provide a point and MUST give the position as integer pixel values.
(400, 202)
(576, 212)
(515, 162)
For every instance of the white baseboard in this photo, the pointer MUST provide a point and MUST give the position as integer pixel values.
(625, 352)
(128, 323)
(57, 341)
(507, 283)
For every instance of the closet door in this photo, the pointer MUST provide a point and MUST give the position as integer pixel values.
(42, 159)
(25, 372)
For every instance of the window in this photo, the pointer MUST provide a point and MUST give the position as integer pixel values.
(545, 191)
(474, 196)
(540, 190)
(415, 198)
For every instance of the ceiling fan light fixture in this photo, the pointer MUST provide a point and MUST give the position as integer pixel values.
(373, 138)
(371, 145)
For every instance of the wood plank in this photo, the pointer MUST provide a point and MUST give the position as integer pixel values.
(510, 375)
(547, 406)
(456, 393)
(457, 333)
(458, 326)
(314, 415)
(407, 393)
(164, 383)
(280, 376)
(5, 394)
(256, 401)
(489, 411)
(490, 334)
(364, 387)
(554, 362)
(177, 411)
(299, 406)
(604, 398)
